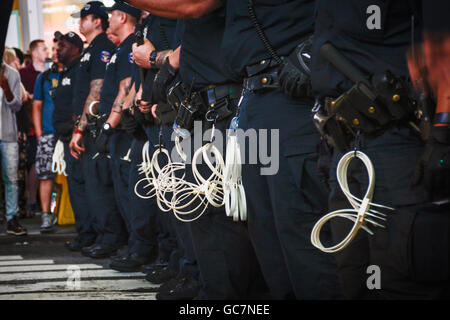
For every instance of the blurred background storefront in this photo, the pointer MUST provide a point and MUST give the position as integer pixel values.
(39, 19)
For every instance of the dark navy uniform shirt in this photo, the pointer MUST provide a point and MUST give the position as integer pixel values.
(200, 56)
(161, 33)
(92, 66)
(435, 15)
(286, 23)
(64, 95)
(373, 34)
(120, 66)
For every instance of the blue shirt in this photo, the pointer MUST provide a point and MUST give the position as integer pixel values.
(44, 87)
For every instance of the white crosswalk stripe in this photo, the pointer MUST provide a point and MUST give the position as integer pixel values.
(7, 258)
(43, 279)
(24, 262)
(50, 267)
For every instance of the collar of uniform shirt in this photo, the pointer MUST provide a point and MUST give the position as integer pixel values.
(71, 64)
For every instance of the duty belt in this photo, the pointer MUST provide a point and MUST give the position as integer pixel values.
(263, 75)
(210, 103)
(218, 98)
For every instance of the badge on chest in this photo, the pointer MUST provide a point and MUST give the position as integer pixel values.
(66, 81)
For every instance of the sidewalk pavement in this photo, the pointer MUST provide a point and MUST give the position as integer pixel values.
(59, 233)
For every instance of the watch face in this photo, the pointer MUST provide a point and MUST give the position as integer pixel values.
(106, 126)
(153, 56)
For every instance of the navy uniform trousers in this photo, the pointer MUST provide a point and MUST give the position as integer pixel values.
(412, 252)
(144, 212)
(283, 207)
(120, 150)
(226, 258)
(175, 236)
(84, 217)
(101, 197)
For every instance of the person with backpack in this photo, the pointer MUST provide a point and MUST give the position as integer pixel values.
(42, 112)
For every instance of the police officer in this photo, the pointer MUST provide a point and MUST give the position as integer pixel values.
(108, 173)
(374, 37)
(68, 51)
(112, 138)
(143, 241)
(93, 24)
(177, 258)
(282, 205)
(222, 248)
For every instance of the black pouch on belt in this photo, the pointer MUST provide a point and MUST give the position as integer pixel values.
(166, 113)
(361, 109)
(394, 93)
(219, 100)
(176, 95)
(190, 107)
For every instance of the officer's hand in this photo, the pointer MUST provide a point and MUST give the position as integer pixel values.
(163, 79)
(141, 54)
(293, 82)
(433, 168)
(102, 142)
(145, 106)
(128, 122)
(76, 145)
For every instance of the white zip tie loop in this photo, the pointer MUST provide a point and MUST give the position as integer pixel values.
(361, 212)
(58, 163)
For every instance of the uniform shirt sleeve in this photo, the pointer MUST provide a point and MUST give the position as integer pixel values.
(98, 63)
(37, 93)
(125, 65)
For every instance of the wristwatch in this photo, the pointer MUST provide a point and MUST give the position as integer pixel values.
(153, 55)
(107, 129)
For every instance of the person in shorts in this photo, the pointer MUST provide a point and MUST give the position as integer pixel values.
(43, 107)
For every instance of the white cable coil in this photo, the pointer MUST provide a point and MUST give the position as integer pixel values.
(361, 212)
(150, 168)
(234, 193)
(166, 182)
(58, 163)
(173, 193)
(184, 198)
